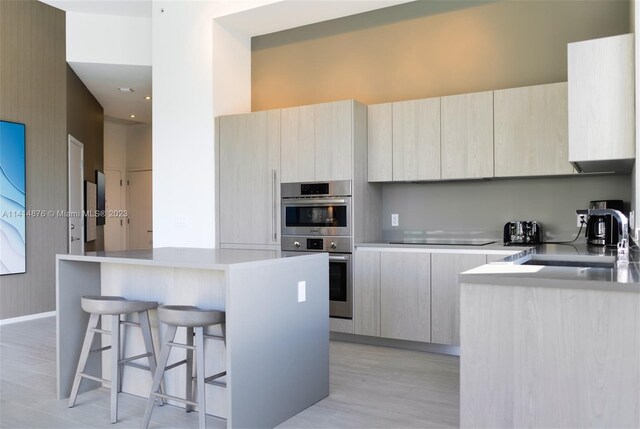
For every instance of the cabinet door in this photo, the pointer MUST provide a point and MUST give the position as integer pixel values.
(467, 136)
(249, 183)
(380, 142)
(601, 99)
(445, 294)
(405, 302)
(416, 140)
(366, 293)
(334, 135)
(297, 144)
(531, 131)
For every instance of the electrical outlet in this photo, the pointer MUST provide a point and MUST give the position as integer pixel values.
(394, 219)
(580, 218)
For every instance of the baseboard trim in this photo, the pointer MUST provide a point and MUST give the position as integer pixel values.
(27, 318)
(398, 344)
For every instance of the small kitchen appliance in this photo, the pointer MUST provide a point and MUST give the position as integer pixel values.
(522, 232)
(603, 230)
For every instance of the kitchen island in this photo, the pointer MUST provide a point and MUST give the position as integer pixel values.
(277, 323)
(550, 346)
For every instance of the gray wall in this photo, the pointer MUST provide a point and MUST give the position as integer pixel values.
(488, 205)
(33, 92)
(85, 121)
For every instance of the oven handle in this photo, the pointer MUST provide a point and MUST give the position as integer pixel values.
(338, 258)
(313, 202)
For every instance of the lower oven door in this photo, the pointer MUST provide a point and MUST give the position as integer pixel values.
(340, 283)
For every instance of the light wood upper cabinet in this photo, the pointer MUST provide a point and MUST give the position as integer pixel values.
(317, 142)
(530, 126)
(380, 142)
(333, 140)
(467, 136)
(298, 144)
(249, 166)
(366, 293)
(445, 294)
(416, 140)
(405, 298)
(601, 103)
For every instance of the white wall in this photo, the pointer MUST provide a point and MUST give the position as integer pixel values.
(108, 39)
(115, 141)
(139, 151)
(185, 48)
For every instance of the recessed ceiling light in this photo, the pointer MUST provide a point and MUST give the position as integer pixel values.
(133, 116)
(125, 89)
(147, 98)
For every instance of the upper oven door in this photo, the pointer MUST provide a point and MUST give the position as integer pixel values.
(316, 216)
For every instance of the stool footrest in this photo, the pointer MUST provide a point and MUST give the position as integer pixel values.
(128, 323)
(182, 346)
(101, 349)
(129, 359)
(137, 365)
(214, 376)
(175, 398)
(101, 331)
(173, 365)
(94, 378)
(211, 336)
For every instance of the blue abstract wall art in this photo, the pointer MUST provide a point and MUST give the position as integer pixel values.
(12, 198)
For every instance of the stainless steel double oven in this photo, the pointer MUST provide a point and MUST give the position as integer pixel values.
(316, 217)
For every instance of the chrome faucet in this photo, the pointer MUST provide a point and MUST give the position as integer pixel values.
(623, 231)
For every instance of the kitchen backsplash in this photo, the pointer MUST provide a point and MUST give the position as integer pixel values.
(483, 207)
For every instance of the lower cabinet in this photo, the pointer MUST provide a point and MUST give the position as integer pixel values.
(405, 296)
(445, 294)
(410, 295)
(366, 293)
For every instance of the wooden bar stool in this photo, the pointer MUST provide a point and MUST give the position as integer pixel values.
(115, 306)
(192, 318)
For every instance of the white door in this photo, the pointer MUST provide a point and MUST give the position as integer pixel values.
(114, 228)
(139, 210)
(76, 191)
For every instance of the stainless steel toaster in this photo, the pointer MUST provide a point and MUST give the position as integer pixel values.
(522, 232)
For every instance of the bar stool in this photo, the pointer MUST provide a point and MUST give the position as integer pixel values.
(192, 318)
(114, 306)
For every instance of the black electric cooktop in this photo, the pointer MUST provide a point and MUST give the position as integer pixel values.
(446, 242)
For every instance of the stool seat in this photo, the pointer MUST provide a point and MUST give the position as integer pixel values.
(189, 316)
(105, 305)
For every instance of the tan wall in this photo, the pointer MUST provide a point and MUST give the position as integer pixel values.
(427, 48)
(33, 92)
(85, 121)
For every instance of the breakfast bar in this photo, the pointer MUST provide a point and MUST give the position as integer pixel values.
(277, 323)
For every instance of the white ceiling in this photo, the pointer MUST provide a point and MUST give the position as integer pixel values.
(103, 80)
(139, 8)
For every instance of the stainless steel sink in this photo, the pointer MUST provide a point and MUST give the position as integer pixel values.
(574, 261)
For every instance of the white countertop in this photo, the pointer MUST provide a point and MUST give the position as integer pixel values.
(496, 248)
(182, 257)
(511, 272)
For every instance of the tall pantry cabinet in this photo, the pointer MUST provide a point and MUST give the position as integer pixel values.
(249, 179)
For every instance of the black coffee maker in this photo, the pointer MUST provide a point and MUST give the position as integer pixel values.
(603, 230)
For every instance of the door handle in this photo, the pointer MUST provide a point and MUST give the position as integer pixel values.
(274, 223)
(149, 230)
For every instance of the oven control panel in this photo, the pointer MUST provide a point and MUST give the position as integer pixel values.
(317, 244)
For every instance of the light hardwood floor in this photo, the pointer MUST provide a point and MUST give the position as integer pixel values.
(370, 387)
